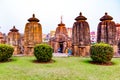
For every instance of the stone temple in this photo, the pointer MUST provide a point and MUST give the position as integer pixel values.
(81, 36)
(106, 31)
(32, 35)
(13, 39)
(60, 42)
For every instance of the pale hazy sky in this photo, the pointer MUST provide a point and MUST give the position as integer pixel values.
(17, 12)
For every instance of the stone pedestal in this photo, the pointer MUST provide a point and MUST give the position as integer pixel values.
(87, 50)
(75, 51)
(16, 50)
(82, 51)
(115, 48)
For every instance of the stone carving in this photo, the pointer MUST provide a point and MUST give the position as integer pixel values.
(32, 35)
(80, 36)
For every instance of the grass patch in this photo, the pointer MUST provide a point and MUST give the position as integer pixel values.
(71, 68)
(36, 61)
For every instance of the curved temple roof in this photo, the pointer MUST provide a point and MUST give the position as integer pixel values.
(80, 17)
(106, 17)
(33, 19)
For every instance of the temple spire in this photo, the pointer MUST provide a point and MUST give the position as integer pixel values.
(61, 22)
(61, 19)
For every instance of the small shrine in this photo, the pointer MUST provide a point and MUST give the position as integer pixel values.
(13, 39)
(61, 42)
(81, 36)
(32, 35)
(106, 31)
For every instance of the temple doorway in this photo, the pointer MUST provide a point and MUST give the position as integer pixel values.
(60, 47)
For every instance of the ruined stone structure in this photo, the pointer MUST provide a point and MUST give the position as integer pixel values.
(106, 31)
(32, 35)
(2, 38)
(81, 36)
(60, 42)
(13, 39)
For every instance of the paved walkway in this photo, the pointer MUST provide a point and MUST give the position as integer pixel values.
(66, 55)
(60, 55)
(54, 55)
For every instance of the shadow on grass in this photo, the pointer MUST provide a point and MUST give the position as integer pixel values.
(37, 62)
(101, 64)
(9, 60)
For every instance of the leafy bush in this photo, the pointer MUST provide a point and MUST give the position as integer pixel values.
(43, 52)
(6, 51)
(101, 52)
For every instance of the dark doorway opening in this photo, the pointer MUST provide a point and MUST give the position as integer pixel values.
(61, 47)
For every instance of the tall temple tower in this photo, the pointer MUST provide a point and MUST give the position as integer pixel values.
(60, 42)
(32, 35)
(14, 40)
(106, 31)
(81, 36)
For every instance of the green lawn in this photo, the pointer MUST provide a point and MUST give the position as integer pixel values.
(71, 68)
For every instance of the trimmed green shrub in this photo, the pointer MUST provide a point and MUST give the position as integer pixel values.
(101, 52)
(43, 52)
(6, 51)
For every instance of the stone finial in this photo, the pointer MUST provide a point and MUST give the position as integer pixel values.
(80, 13)
(33, 15)
(13, 26)
(106, 13)
(61, 19)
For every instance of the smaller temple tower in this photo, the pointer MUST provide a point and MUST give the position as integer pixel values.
(13, 39)
(32, 35)
(2, 38)
(118, 36)
(81, 36)
(106, 31)
(60, 42)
